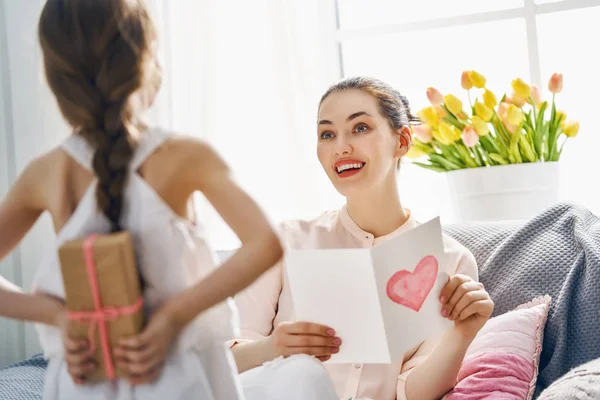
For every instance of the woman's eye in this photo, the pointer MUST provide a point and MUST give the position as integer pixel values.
(326, 135)
(361, 128)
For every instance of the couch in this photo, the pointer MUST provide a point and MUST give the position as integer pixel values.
(557, 253)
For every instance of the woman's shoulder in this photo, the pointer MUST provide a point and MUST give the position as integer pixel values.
(460, 257)
(306, 230)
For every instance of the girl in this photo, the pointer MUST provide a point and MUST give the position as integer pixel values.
(363, 132)
(115, 173)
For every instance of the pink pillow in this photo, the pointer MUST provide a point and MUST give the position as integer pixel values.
(502, 362)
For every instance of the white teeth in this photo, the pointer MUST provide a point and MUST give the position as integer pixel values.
(348, 166)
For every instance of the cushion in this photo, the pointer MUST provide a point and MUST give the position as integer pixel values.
(24, 380)
(502, 362)
(555, 253)
(582, 382)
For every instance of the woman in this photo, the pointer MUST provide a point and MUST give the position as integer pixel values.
(363, 132)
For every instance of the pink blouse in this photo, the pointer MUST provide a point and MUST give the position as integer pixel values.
(268, 302)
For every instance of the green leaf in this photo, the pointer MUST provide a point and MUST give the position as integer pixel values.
(498, 158)
(526, 149)
(430, 167)
(468, 158)
(541, 114)
(450, 152)
(489, 144)
(477, 155)
(454, 121)
(445, 162)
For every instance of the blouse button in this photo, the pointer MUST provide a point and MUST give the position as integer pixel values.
(357, 366)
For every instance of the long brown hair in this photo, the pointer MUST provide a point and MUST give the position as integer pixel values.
(98, 54)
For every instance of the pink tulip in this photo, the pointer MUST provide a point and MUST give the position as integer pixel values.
(469, 136)
(434, 96)
(517, 101)
(510, 127)
(555, 84)
(423, 133)
(465, 82)
(503, 109)
(536, 95)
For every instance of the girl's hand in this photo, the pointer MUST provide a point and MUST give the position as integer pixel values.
(80, 361)
(303, 338)
(143, 355)
(467, 303)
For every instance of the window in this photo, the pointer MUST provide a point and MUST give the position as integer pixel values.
(414, 45)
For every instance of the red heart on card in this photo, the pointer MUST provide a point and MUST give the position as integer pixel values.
(410, 289)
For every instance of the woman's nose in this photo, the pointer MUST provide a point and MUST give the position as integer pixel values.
(342, 147)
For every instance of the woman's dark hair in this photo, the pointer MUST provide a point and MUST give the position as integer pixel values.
(392, 104)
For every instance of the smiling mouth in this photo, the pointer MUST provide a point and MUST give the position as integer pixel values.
(349, 167)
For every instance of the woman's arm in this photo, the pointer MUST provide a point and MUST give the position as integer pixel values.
(257, 307)
(468, 304)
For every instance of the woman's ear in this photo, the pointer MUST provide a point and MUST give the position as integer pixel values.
(404, 141)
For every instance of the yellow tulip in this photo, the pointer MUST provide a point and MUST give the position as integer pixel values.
(465, 82)
(522, 89)
(429, 115)
(562, 116)
(438, 136)
(571, 129)
(477, 79)
(414, 152)
(453, 104)
(515, 115)
(489, 99)
(483, 111)
(449, 132)
(480, 126)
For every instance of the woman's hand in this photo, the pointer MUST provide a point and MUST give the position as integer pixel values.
(290, 338)
(143, 355)
(467, 303)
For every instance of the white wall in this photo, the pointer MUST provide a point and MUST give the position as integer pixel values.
(29, 125)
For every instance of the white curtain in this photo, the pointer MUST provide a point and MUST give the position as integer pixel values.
(245, 76)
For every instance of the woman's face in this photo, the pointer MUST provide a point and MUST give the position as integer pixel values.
(357, 147)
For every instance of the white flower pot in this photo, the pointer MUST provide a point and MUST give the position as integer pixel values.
(500, 193)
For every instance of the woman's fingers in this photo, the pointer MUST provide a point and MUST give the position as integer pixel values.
(457, 294)
(308, 328)
(312, 341)
(467, 299)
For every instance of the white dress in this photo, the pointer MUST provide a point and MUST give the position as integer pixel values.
(173, 254)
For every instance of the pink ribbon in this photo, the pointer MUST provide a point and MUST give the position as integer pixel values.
(100, 316)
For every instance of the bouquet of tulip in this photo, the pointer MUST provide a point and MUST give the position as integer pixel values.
(520, 128)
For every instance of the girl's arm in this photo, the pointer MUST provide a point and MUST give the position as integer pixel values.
(18, 212)
(202, 169)
(260, 247)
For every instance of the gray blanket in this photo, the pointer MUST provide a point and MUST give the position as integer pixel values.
(557, 253)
